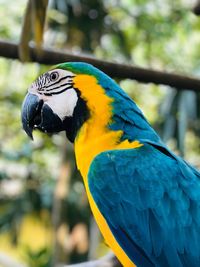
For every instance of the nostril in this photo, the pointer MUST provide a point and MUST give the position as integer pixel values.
(36, 118)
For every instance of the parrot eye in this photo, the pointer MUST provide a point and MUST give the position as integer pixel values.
(54, 76)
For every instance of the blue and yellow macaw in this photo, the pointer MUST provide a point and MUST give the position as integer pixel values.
(145, 199)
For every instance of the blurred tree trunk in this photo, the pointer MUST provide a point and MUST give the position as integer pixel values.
(60, 193)
(94, 239)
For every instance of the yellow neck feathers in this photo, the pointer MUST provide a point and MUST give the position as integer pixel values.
(94, 136)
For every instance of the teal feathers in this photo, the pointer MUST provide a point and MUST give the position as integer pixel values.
(149, 197)
(151, 200)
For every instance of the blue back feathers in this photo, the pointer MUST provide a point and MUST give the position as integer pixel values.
(151, 201)
(149, 197)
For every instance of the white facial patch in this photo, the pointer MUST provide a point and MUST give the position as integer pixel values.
(55, 88)
(63, 104)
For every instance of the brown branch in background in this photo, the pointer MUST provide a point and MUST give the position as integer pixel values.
(123, 71)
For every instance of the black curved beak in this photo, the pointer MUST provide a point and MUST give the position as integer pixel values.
(31, 113)
(38, 115)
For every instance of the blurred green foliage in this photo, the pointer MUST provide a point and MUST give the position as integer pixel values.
(162, 34)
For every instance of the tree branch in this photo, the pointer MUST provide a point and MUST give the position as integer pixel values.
(53, 56)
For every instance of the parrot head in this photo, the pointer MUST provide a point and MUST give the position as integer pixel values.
(77, 97)
(63, 98)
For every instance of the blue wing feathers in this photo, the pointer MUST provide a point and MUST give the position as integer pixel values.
(127, 116)
(151, 201)
(137, 253)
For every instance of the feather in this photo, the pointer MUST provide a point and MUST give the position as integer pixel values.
(147, 196)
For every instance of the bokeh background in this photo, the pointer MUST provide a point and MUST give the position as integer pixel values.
(44, 215)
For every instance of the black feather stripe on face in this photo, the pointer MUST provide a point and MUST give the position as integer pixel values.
(45, 85)
(58, 81)
(50, 93)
